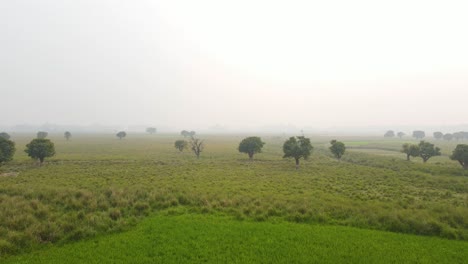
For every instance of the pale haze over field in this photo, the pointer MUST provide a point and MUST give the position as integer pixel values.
(239, 64)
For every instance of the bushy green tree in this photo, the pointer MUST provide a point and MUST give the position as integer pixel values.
(180, 145)
(251, 146)
(42, 134)
(418, 134)
(448, 136)
(4, 135)
(297, 148)
(389, 134)
(458, 135)
(411, 150)
(401, 134)
(7, 150)
(460, 154)
(438, 135)
(121, 134)
(337, 148)
(40, 148)
(67, 135)
(427, 150)
(151, 130)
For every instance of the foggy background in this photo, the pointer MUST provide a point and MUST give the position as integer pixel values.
(233, 65)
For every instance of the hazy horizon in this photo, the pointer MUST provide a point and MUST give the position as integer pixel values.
(236, 65)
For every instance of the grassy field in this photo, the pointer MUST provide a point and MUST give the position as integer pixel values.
(191, 238)
(97, 184)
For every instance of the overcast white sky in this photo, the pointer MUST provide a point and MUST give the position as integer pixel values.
(192, 64)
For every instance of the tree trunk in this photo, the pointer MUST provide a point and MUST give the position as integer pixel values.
(407, 157)
(41, 160)
(251, 156)
(297, 164)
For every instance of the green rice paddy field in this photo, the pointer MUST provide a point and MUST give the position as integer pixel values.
(139, 200)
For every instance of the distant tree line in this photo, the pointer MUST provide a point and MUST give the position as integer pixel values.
(419, 134)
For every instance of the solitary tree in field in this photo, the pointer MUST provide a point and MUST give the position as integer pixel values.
(411, 150)
(389, 134)
(185, 133)
(191, 133)
(438, 135)
(67, 135)
(121, 134)
(197, 146)
(4, 135)
(42, 134)
(448, 136)
(401, 134)
(7, 150)
(460, 154)
(458, 136)
(427, 150)
(180, 145)
(297, 148)
(151, 130)
(251, 146)
(40, 148)
(418, 134)
(337, 148)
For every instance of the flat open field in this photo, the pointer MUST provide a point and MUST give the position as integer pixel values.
(97, 185)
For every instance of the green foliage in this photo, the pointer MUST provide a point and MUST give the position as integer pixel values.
(389, 133)
(427, 150)
(460, 154)
(40, 148)
(418, 134)
(448, 136)
(186, 133)
(180, 145)
(411, 150)
(297, 148)
(438, 135)
(4, 135)
(42, 134)
(7, 150)
(121, 134)
(67, 135)
(151, 130)
(337, 148)
(251, 146)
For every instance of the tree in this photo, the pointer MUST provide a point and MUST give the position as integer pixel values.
(337, 148)
(191, 133)
(418, 134)
(297, 148)
(40, 148)
(458, 135)
(390, 134)
(465, 135)
(121, 134)
(7, 150)
(438, 135)
(4, 135)
(411, 150)
(42, 134)
(427, 150)
(180, 145)
(251, 146)
(197, 146)
(460, 154)
(185, 133)
(151, 130)
(67, 135)
(448, 136)
(401, 134)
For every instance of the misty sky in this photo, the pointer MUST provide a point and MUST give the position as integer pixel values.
(190, 64)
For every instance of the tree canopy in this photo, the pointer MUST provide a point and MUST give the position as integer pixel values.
(427, 150)
(251, 146)
(411, 150)
(460, 154)
(448, 136)
(151, 130)
(40, 148)
(401, 134)
(438, 135)
(180, 145)
(4, 135)
(389, 133)
(337, 148)
(197, 146)
(121, 134)
(42, 134)
(418, 134)
(7, 150)
(297, 148)
(67, 135)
